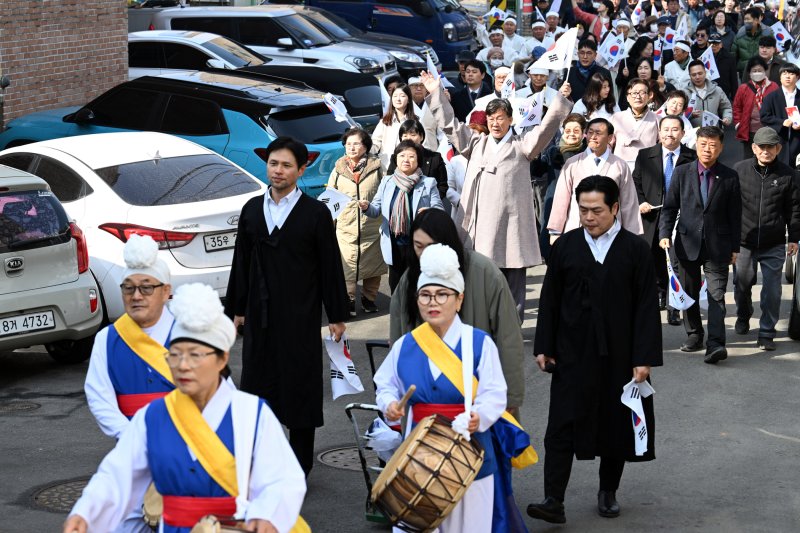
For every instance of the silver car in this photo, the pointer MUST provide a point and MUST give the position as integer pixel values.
(47, 293)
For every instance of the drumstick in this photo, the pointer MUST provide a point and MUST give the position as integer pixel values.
(404, 400)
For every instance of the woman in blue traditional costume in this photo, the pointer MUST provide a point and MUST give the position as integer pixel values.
(430, 357)
(208, 448)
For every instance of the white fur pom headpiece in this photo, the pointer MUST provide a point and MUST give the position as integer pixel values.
(438, 265)
(141, 257)
(199, 316)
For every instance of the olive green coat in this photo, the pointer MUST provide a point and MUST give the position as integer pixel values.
(359, 241)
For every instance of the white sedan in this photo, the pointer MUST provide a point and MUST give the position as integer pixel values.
(185, 196)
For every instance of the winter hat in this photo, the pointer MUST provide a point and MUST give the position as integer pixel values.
(199, 317)
(141, 257)
(478, 118)
(438, 265)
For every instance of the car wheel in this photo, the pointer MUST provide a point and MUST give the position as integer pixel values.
(794, 316)
(71, 352)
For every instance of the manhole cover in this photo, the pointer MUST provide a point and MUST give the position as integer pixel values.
(17, 406)
(345, 458)
(61, 496)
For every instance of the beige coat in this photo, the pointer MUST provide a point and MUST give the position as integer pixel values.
(359, 242)
(498, 218)
(564, 214)
(632, 135)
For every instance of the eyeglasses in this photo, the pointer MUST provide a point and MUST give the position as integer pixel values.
(638, 94)
(193, 358)
(354, 145)
(144, 290)
(440, 297)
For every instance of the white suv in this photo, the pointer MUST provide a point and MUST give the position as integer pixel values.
(47, 293)
(281, 33)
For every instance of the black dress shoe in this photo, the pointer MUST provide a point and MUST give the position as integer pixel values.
(692, 345)
(766, 344)
(742, 326)
(352, 307)
(607, 505)
(368, 306)
(714, 355)
(662, 301)
(550, 510)
(674, 317)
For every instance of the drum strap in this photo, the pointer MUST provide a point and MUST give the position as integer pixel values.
(450, 365)
(212, 453)
(143, 345)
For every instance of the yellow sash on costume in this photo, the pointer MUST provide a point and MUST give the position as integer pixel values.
(143, 345)
(212, 453)
(450, 365)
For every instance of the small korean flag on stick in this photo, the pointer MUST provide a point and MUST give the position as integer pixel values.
(678, 299)
(708, 60)
(433, 71)
(339, 110)
(508, 91)
(334, 200)
(344, 378)
(781, 35)
(632, 395)
(532, 114)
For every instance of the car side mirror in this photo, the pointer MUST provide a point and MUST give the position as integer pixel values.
(285, 42)
(83, 114)
(425, 9)
(216, 63)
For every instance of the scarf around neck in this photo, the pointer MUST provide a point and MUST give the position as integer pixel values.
(400, 217)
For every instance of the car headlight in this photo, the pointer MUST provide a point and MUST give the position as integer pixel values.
(406, 56)
(449, 31)
(364, 64)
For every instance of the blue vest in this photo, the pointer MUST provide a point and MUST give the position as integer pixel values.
(128, 372)
(412, 367)
(173, 470)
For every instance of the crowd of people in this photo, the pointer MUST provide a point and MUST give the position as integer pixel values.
(455, 194)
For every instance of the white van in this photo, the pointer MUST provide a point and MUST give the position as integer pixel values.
(278, 32)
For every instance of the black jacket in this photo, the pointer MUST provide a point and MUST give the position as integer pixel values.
(773, 113)
(717, 226)
(770, 204)
(462, 102)
(728, 79)
(648, 177)
(578, 82)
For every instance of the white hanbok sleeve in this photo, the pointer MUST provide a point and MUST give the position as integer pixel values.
(100, 392)
(389, 386)
(277, 482)
(120, 482)
(490, 400)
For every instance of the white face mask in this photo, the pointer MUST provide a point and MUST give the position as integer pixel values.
(596, 5)
(653, 28)
(758, 76)
(496, 62)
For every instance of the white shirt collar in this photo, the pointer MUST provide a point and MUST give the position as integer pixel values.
(495, 145)
(789, 93)
(603, 158)
(276, 213)
(665, 152)
(160, 330)
(602, 244)
(453, 334)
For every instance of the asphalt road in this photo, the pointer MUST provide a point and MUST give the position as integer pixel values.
(727, 439)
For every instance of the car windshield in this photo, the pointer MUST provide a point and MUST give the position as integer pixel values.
(333, 25)
(305, 32)
(31, 219)
(309, 125)
(442, 4)
(233, 53)
(177, 180)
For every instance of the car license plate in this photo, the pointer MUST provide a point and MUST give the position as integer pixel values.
(219, 241)
(13, 325)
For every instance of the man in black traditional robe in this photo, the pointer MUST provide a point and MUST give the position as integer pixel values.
(599, 327)
(286, 265)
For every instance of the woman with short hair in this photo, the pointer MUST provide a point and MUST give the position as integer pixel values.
(358, 174)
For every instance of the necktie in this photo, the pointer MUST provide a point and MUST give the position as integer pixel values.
(474, 95)
(704, 187)
(670, 166)
(597, 161)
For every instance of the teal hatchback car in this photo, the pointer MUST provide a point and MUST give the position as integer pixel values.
(235, 115)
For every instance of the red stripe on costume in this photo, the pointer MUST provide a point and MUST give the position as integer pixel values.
(130, 403)
(424, 410)
(186, 511)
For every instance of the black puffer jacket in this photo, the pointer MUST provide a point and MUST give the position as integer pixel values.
(770, 203)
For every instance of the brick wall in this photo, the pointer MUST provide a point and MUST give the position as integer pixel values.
(61, 52)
